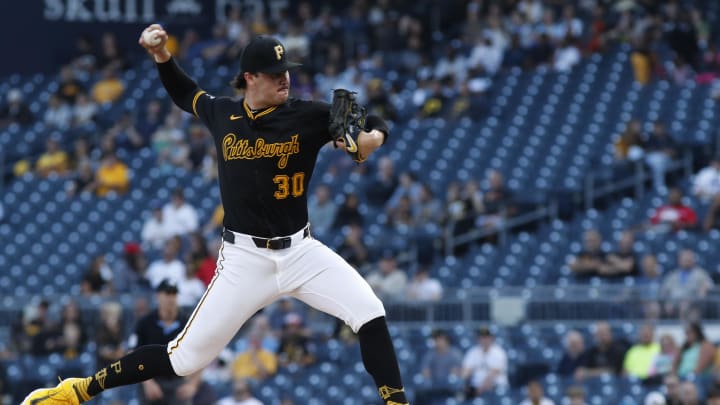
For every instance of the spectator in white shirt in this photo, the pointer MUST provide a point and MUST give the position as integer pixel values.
(241, 395)
(566, 56)
(485, 365)
(180, 217)
(452, 64)
(536, 395)
(58, 114)
(487, 55)
(155, 230)
(423, 287)
(532, 9)
(388, 281)
(168, 267)
(190, 288)
(84, 110)
(321, 210)
(707, 182)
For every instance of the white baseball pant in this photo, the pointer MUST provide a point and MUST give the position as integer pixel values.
(249, 278)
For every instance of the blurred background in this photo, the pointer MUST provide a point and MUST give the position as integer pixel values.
(543, 223)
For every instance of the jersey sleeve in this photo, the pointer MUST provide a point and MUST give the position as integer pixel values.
(185, 93)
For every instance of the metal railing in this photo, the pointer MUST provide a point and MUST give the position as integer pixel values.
(593, 190)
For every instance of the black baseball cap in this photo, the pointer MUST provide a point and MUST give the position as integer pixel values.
(265, 54)
(167, 286)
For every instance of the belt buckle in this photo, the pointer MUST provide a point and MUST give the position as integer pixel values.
(267, 243)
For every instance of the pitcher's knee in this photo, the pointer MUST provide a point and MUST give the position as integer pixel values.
(185, 364)
(372, 309)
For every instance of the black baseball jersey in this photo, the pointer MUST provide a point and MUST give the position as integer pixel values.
(266, 158)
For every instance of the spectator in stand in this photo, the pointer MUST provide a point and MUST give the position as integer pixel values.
(15, 111)
(81, 178)
(169, 267)
(591, 259)
(674, 215)
(180, 217)
(689, 393)
(485, 365)
(190, 288)
(197, 255)
(606, 357)
(206, 268)
(58, 114)
(639, 358)
(111, 56)
(214, 225)
(427, 209)
(54, 160)
(440, 367)
(642, 60)
(706, 185)
(497, 202)
(349, 212)
(159, 327)
(408, 186)
(124, 133)
(572, 356)
(200, 142)
(423, 287)
(294, 346)
(536, 395)
(155, 231)
(381, 187)
(108, 89)
(566, 56)
(84, 111)
(69, 87)
(241, 394)
(452, 64)
(575, 395)
(151, 120)
(622, 262)
(712, 216)
(255, 363)
(353, 248)
(110, 337)
(671, 385)
(388, 281)
(486, 56)
(321, 210)
(130, 272)
(111, 176)
(629, 145)
(682, 286)
(696, 355)
(261, 329)
(662, 363)
(98, 278)
(649, 284)
(400, 218)
(660, 151)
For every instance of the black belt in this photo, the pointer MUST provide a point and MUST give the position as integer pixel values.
(265, 243)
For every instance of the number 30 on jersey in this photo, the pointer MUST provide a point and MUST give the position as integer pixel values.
(287, 185)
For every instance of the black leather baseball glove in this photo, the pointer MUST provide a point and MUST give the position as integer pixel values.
(347, 119)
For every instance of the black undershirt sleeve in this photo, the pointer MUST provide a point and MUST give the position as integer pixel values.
(375, 122)
(178, 84)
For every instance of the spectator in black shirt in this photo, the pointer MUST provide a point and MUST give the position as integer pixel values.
(572, 356)
(294, 343)
(349, 212)
(353, 248)
(380, 188)
(70, 86)
(15, 111)
(591, 259)
(160, 327)
(606, 357)
(622, 262)
(660, 150)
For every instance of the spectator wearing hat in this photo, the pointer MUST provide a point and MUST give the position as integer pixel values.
(485, 365)
(440, 367)
(15, 111)
(294, 346)
(160, 327)
(388, 280)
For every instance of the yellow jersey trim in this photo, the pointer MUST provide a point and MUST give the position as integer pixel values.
(195, 99)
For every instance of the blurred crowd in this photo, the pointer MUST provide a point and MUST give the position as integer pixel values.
(444, 57)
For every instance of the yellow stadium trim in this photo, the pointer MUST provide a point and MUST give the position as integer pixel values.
(195, 99)
(202, 300)
(258, 115)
